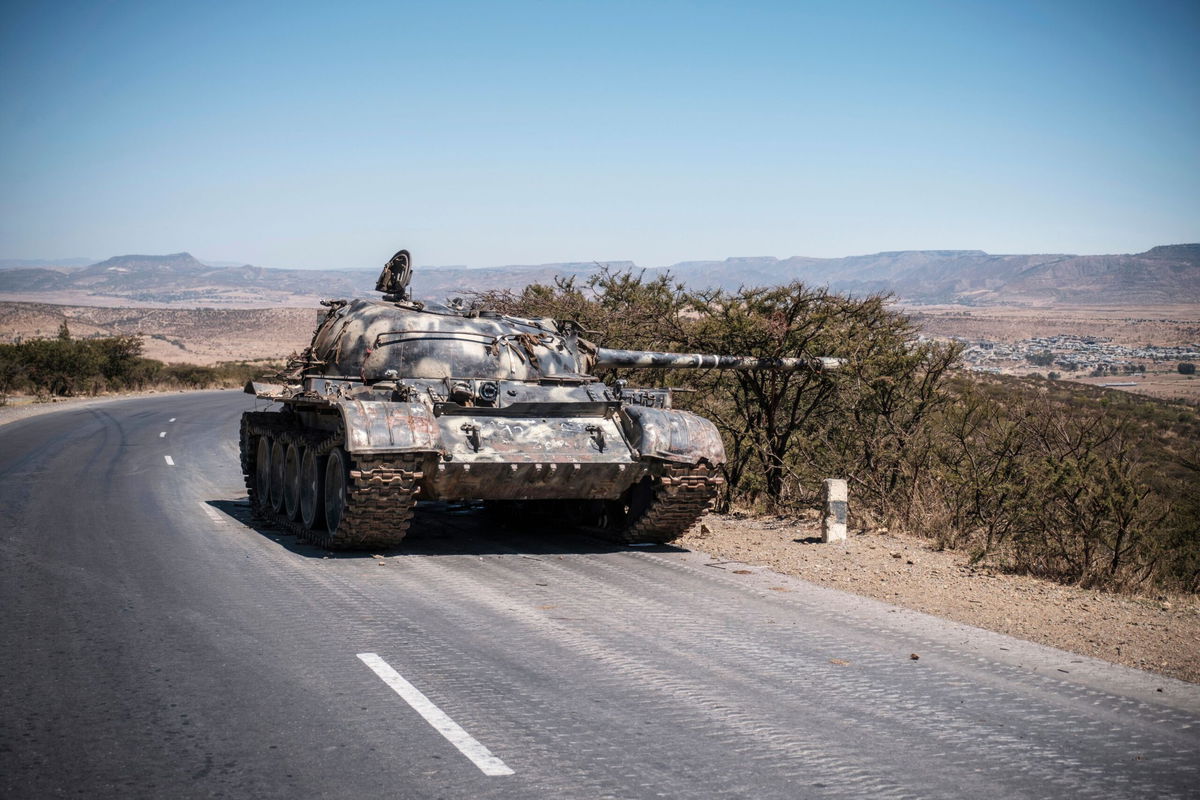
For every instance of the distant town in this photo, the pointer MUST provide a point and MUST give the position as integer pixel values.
(1092, 355)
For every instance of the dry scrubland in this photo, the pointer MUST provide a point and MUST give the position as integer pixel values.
(201, 336)
(208, 335)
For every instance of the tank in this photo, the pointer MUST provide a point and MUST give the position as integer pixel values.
(396, 401)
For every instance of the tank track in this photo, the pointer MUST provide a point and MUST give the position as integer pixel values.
(681, 495)
(381, 494)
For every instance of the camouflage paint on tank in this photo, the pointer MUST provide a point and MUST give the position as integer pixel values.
(606, 357)
(674, 435)
(374, 426)
(375, 340)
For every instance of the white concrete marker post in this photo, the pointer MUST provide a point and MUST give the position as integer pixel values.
(833, 522)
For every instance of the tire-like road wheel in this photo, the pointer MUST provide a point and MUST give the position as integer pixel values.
(312, 488)
(336, 478)
(277, 456)
(262, 472)
(291, 481)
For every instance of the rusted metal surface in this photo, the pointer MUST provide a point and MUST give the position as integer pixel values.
(499, 480)
(522, 440)
(606, 357)
(674, 435)
(374, 426)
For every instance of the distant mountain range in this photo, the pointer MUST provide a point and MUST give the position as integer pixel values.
(25, 263)
(1162, 275)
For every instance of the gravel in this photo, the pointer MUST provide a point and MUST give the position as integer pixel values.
(1158, 633)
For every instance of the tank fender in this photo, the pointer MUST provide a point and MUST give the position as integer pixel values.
(673, 435)
(379, 425)
(264, 390)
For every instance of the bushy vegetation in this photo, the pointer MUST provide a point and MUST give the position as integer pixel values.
(1045, 477)
(66, 367)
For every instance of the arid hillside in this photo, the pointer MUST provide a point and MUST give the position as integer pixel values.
(1161, 275)
(174, 335)
(207, 335)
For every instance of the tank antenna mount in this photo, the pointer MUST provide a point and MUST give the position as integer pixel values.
(394, 279)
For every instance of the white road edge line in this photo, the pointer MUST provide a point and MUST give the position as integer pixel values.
(170, 461)
(467, 745)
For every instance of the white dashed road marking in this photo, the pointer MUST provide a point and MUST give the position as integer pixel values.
(466, 744)
(170, 461)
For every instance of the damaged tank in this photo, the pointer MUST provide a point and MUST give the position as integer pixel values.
(396, 401)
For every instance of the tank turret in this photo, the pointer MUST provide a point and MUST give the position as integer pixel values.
(396, 400)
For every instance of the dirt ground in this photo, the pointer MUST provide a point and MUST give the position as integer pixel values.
(204, 336)
(1160, 634)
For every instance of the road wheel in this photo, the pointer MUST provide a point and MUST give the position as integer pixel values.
(312, 486)
(277, 456)
(262, 472)
(291, 481)
(336, 477)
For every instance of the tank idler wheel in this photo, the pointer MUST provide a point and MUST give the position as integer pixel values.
(277, 467)
(262, 472)
(336, 477)
(291, 481)
(312, 490)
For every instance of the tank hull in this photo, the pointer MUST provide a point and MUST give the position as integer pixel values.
(471, 454)
(374, 460)
(398, 401)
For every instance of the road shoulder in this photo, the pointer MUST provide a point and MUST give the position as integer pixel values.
(1160, 634)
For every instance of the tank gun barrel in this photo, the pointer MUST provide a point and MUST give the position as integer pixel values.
(607, 357)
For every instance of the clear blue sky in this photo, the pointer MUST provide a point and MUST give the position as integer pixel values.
(331, 134)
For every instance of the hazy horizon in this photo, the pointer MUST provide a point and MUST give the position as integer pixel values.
(233, 264)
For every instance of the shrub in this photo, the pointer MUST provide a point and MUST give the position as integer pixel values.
(65, 367)
(1065, 481)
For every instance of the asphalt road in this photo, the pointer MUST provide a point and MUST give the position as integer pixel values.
(153, 643)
